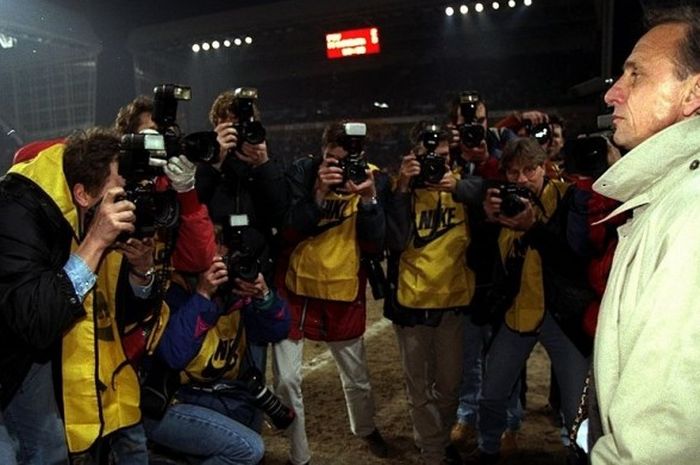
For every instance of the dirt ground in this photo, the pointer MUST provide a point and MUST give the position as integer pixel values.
(327, 422)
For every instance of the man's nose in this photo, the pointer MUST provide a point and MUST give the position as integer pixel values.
(615, 95)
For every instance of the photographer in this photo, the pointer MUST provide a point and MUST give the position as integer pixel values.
(67, 291)
(201, 357)
(474, 146)
(543, 279)
(431, 286)
(333, 220)
(194, 244)
(245, 181)
(475, 149)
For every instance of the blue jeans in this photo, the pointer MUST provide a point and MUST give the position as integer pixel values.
(32, 419)
(475, 338)
(505, 361)
(205, 434)
(125, 447)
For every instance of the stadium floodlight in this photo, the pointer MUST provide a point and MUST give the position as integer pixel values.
(237, 41)
(205, 46)
(196, 48)
(464, 9)
(227, 43)
(248, 40)
(527, 2)
(495, 5)
(215, 45)
(479, 7)
(449, 11)
(511, 3)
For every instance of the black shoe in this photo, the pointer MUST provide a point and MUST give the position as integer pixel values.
(489, 459)
(377, 445)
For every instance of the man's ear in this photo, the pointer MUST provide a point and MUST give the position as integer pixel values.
(81, 196)
(691, 102)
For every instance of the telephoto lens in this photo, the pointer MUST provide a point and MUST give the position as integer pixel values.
(280, 415)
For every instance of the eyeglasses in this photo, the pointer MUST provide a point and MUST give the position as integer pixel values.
(528, 171)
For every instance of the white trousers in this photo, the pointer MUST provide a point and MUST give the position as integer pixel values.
(351, 360)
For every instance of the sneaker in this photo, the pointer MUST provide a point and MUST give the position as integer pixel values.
(463, 434)
(377, 445)
(509, 442)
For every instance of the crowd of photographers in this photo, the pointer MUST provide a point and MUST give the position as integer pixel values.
(146, 273)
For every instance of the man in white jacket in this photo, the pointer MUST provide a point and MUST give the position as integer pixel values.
(647, 348)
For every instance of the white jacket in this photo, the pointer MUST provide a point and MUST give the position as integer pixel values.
(647, 346)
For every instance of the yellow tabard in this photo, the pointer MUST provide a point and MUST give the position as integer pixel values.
(221, 353)
(94, 408)
(325, 266)
(432, 270)
(527, 311)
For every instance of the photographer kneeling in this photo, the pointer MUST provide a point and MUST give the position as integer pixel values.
(202, 389)
(542, 276)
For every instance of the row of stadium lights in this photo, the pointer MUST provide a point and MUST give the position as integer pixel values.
(215, 44)
(479, 7)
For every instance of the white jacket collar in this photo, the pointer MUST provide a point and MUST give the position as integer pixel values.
(643, 167)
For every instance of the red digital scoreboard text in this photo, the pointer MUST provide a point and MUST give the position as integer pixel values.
(352, 42)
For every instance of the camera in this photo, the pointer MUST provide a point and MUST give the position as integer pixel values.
(471, 132)
(372, 265)
(248, 255)
(354, 164)
(587, 155)
(511, 194)
(197, 146)
(139, 157)
(541, 132)
(280, 415)
(249, 129)
(432, 165)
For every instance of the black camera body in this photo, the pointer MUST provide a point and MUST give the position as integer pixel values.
(471, 132)
(198, 147)
(280, 415)
(354, 164)
(153, 209)
(248, 255)
(511, 194)
(541, 132)
(432, 165)
(587, 155)
(249, 129)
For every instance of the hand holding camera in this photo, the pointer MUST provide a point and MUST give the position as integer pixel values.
(509, 205)
(364, 189)
(410, 168)
(227, 137)
(257, 289)
(330, 175)
(210, 280)
(113, 216)
(254, 155)
(181, 173)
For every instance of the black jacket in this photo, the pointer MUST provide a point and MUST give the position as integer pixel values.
(237, 188)
(37, 300)
(38, 303)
